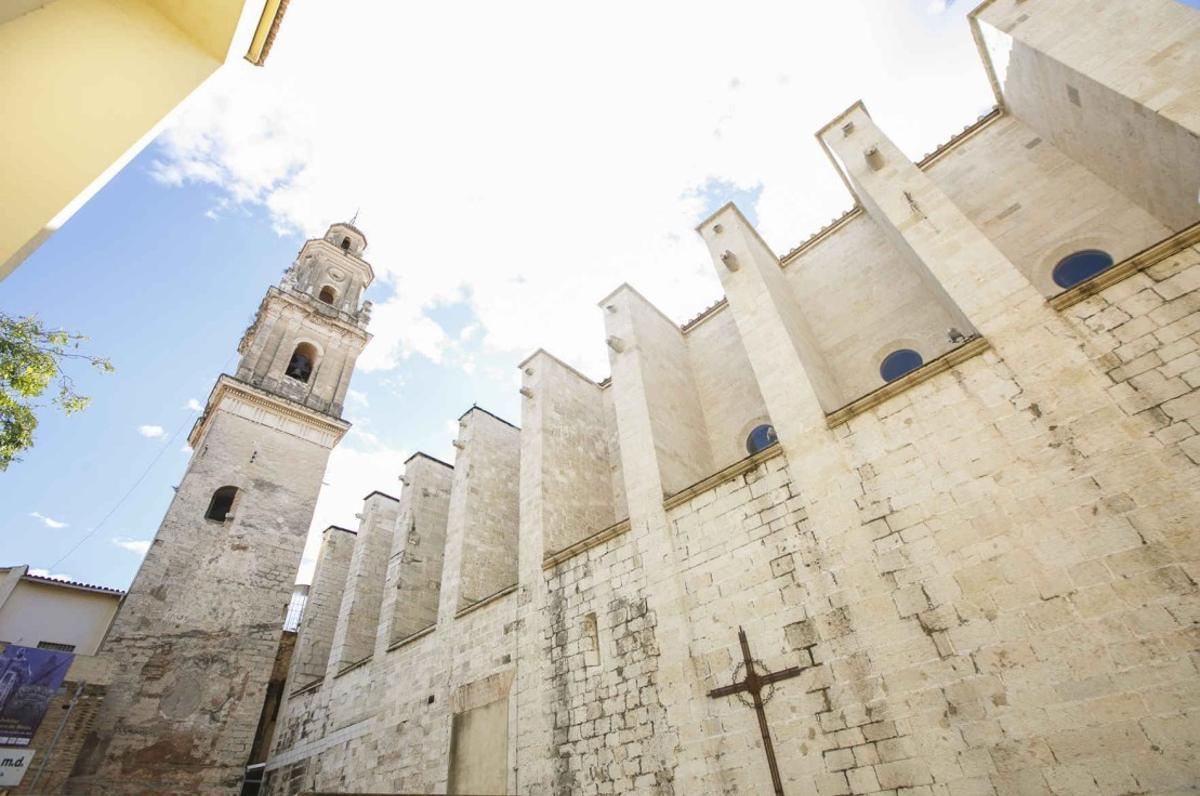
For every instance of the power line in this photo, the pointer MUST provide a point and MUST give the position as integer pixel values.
(124, 497)
(136, 484)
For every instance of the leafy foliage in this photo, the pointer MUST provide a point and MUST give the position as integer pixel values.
(31, 360)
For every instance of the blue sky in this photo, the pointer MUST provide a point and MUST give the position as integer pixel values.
(490, 239)
(166, 293)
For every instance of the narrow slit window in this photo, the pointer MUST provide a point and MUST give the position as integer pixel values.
(221, 504)
(303, 360)
(900, 362)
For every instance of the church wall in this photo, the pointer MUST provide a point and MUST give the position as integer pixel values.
(729, 397)
(565, 442)
(660, 376)
(620, 504)
(987, 577)
(993, 618)
(1144, 334)
(864, 299)
(314, 638)
(1036, 204)
(481, 554)
(358, 615)
(414, 568)
(1112, 87)
(601, 667)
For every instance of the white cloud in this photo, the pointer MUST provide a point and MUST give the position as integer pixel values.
(937, 7)
(352, 473)
(358, 397)
(589, 170)
(45, 573)
(49, 522)
(138, 546)
(185, 448)
(152, 432)
(194, 405)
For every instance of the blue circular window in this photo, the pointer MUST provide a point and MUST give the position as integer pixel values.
(899, 362)
(1075, 268)
(761, 437)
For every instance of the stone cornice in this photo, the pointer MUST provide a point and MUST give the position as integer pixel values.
(587, 543)
(1167, 247)
(948, 360)
(239, 398)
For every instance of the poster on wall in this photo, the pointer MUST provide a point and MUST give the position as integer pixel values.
(13, 765)
(29, 679)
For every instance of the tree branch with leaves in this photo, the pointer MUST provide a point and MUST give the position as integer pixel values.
(32, 360)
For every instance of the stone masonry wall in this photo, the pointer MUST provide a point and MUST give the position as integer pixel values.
(1036, 204)
(412, 588)
(484, 501)
(574, 480)
(358, 616)
(729, 397)
(319, 620)
(1144, 333)
(601, 677)
(842, 281)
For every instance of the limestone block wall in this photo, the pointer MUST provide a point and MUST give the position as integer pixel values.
(729, 397)
(358, 616)
(414, 568)
(1111, 85)
(481, 550)
(1036, 204)
(660, 376)
(565, 447)
(314, 638)
(620, 504)
(600, 679)
(1144, 334)
(863, 300)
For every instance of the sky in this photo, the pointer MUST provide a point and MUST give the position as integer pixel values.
(510, 164)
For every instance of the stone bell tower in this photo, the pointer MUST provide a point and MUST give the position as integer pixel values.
(196, 636)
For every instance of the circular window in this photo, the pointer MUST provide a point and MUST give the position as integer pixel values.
(761, 437)
(1075, 268)
(897, 363)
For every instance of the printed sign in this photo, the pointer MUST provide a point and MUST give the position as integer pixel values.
(13, 765)
(29, 679)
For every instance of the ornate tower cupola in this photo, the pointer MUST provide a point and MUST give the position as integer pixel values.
(310, 330)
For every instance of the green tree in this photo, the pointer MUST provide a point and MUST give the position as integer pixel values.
(31, 360)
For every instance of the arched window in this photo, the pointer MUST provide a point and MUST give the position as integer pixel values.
(1075, 268)
(346, 244)
(221, 503)
(761, 437)
(303, 360)
(328, 294)
(899, 362)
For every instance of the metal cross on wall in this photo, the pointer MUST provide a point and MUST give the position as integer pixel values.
(753, 684)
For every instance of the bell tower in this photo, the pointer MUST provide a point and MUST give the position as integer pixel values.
(194, 641)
